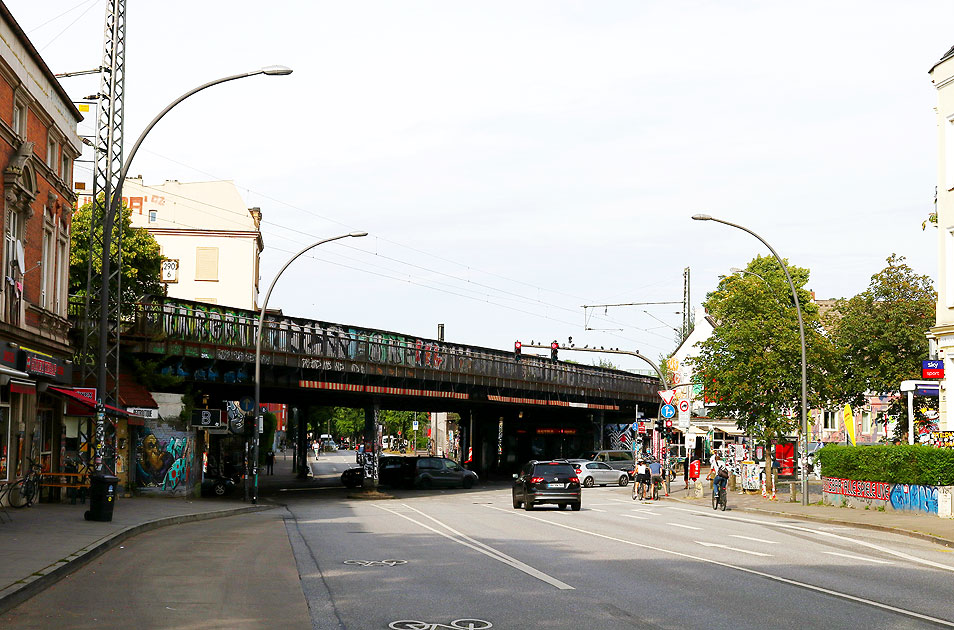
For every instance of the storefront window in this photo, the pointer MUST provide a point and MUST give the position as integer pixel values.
(4, 444)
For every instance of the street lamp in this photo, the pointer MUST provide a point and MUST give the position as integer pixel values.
(801, 336)
(113, 206)
(258, 350)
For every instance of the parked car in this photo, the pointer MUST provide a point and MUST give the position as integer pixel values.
(353, 477)
(598, 473)
(547, 482)
(217, 485)
(424, 472)
(620, 460)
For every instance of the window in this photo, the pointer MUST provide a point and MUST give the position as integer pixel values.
(12, 233)
(829, 420)
(62, 281)
(66, 170)
(207, 263)
(153, 215)
(19, 119)
(52, 154)
(949, 154)
(866, 422)
(46, 269)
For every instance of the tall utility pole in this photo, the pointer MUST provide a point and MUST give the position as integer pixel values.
(686, 305)
(108, 158)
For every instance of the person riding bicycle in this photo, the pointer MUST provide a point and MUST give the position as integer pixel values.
(719, 472)
(655, 471)
(641, 478)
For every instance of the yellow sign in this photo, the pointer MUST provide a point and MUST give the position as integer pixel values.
(850, 424)
(83, 107)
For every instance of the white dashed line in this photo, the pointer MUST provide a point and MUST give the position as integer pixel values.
(684, 526)
(848, 555)
(767, 542)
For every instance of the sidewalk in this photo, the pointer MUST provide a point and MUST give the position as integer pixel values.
(40, 545)
(931, 528)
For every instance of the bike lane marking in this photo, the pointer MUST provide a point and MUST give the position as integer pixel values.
(762, 574)
(839, 537)
(853, 557)
(476, 545)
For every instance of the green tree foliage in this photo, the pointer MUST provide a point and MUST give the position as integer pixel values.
(879, 333)
(348, 422)
(751, 364)
(141, 258)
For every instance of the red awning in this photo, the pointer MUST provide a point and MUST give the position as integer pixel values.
(87, 403)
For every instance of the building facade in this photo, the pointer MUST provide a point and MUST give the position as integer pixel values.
(211, 241)
(38, 145)
(942, 76)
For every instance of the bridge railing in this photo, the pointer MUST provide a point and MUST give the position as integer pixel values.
(311, 344)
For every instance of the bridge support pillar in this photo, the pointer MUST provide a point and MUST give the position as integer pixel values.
(301, 446)
(372, 441)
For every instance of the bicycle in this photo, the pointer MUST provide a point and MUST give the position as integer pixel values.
(719, 499)
(24, 491)
(657, 484)
(639, 490)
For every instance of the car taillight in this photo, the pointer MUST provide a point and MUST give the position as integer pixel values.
(536, 480)
(574, 480)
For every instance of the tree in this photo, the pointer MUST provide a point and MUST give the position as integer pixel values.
(880, 333)
(142, 261)
(751, 364)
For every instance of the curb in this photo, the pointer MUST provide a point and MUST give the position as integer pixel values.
(24, 589)
(938, 540)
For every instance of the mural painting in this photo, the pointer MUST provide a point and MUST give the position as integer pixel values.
(942, 439)
(899, 496)
(914, 498)
(164, 461)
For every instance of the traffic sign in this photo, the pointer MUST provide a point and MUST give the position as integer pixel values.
(635, 426)
(667, 411)
(642, 428)
(667, 395)
(414, 424)
(247, 404)
(683, 406)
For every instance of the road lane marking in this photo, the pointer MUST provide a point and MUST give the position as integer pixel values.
(646, 511)
(762, 574)
(848, 555)
(476, 545)
(592, 509)
(642, 518)
(685, 526)
(761, 540)
(839, 537)
(728, 548)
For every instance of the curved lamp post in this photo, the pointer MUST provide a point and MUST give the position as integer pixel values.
(801, 336)
(115, 201)
(258, 351)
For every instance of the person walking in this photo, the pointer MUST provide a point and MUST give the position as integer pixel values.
(269, 462)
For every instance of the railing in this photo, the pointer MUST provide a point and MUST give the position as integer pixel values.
(312, 344)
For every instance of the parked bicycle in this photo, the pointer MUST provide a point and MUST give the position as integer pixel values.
(24, 491)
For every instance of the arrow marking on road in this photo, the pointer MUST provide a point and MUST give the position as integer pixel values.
(848, 555)
(751, 553)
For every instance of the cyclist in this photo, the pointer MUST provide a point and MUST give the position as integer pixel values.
(655, 470)
(718, 465)
(641, 477)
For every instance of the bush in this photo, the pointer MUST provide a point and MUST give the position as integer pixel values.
(902, 463)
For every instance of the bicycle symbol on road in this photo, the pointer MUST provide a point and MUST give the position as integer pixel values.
(375, 563)
(457, 624)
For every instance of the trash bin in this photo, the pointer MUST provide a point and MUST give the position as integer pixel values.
(102, 496)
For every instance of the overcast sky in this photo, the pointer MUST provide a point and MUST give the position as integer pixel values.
(513, 161)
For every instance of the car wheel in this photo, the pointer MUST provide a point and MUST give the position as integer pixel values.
(468, 483)
(219, 489)
(516, 504)
(588, 482)
(623, 481)
(528, 505)
(576, 506)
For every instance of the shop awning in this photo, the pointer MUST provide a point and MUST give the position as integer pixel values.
(72, 395)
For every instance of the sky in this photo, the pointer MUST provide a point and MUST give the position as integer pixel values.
(514, 161)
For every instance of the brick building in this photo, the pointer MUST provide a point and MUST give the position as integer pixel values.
(38, 144)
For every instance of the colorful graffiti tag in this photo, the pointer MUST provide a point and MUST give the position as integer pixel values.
(877, 490)
(164, 460)
(899, 495)
(914, 498)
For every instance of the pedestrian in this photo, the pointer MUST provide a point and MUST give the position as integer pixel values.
(269, 462)
(685, 469)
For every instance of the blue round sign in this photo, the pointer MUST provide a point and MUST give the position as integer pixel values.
(667, 411)
(247, 404)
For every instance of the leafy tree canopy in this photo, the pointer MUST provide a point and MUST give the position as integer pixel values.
(141, 258)
(879, 333)
(751, 364)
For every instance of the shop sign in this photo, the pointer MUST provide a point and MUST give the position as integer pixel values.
(144, 412)
(556, 431)
(37, 363)
(8, 354)
(207, 418)
(75, 408)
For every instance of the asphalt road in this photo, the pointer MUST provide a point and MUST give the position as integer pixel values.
(439, 556)
(465, 559)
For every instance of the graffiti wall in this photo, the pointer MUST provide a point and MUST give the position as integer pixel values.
(882, 495)
(942, 439)
(165, 461)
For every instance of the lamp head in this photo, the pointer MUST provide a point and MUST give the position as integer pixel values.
(735, 270)
(358, 234)
(701, 217)
(276, 70)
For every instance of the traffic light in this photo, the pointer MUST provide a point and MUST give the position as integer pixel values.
(517, 348)
(659, 424)
(553, 350)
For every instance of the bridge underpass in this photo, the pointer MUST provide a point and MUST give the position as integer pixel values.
(523, 408)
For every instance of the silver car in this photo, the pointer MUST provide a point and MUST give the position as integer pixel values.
(598, 473)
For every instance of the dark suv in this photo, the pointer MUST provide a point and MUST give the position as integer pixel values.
(546, 482)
